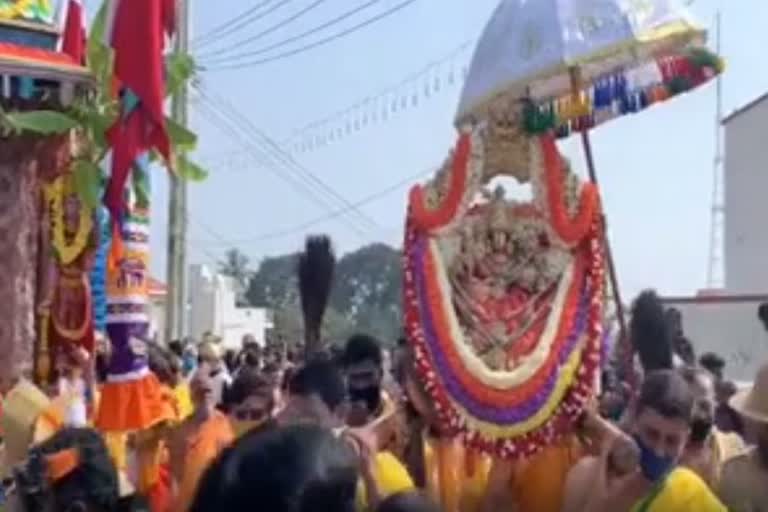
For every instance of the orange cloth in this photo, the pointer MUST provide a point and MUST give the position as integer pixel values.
(538, 484)
(456, 477)
(131, 405)
(201, 449)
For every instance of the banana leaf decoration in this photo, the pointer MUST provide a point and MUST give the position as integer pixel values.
(315, 272)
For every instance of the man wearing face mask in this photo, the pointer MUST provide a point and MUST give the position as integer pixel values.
(316, 395)
(660, 426)
(250, 401)
(744, 480)
(707, 447)
(370, 405)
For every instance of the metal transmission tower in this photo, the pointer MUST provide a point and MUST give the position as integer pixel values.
(716, 267)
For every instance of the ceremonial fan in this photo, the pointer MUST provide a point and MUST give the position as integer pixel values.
(504, 299)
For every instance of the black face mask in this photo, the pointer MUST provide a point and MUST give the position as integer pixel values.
(370, 395)
(700, 429)
(702, 422)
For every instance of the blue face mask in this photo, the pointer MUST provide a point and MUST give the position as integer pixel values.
(654, 468)
(188, 364)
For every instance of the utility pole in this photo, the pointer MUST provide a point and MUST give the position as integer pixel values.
(715, 264)
(176, 300)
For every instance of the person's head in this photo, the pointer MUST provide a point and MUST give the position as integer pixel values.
(661, 422)
(201, 389)
(316, 394)
(298, 468)
(72, 471)
(713, 363)
(176, 347)
(363, 361)
(210, 353)
(250, 401)
(410, 501)
(703, 387)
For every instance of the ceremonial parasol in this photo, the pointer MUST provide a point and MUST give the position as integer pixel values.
(576, 64)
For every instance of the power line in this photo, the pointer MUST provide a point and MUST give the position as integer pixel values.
(266, 32)
(225, 123)
(288, 159)
(316, 44)
(303, 35)
(238, 22)
(332, 215)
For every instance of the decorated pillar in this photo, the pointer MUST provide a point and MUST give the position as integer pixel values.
(33, 76)
(131, 398)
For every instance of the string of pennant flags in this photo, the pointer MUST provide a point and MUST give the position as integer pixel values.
(415, 90)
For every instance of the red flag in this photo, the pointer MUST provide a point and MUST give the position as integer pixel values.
(74, 37)
(138, 30)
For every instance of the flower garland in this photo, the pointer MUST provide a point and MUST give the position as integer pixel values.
(623, 92)
(56, 193)
(571, 230)
(505, 419)
(35, 10)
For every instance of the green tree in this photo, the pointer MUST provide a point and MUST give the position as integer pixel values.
(237, 266)
(366, 295)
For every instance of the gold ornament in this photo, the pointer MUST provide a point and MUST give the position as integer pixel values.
(56, 193)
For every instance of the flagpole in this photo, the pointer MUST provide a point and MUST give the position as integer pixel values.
(177, 204)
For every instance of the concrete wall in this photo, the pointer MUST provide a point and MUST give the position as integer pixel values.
(746, 200)
(728, 326)
(213, 308)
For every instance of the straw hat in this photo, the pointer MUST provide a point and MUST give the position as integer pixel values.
(22, 407)
(753, 403)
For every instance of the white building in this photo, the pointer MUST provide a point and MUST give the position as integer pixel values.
(213, 309)
(746, 207)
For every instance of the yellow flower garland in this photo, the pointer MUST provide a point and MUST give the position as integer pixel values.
(55, 193)
(18, 9)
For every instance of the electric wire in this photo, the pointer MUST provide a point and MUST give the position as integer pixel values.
(311, 46)
(237, 23)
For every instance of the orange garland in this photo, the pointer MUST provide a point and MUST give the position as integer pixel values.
(428, 220)
(570, 230)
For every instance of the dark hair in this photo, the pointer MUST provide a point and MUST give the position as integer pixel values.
(92, 485)
(713, 363)
(410, 501)
(176, 347)
(667, 393)
(321, 378)
(361, 348)
(249, 382)
(299, 468)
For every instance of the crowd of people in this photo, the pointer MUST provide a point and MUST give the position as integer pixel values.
(352, 429)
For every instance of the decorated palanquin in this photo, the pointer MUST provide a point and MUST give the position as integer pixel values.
(504, 298)
(41, 225)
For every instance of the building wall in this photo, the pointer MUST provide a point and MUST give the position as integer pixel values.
(213, 308)
(746, 203)
(728, 326)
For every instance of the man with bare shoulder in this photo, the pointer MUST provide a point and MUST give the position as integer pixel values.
(660, 426)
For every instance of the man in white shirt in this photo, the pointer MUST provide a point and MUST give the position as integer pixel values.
(210, 356)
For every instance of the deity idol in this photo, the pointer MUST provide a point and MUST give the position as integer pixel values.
(503, 297)
(65, 309)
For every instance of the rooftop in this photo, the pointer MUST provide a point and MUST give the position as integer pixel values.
(745, 108)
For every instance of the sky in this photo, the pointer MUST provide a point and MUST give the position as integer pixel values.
(655, 169)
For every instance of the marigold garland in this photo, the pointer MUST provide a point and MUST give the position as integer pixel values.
(56, 194)
(575, 389)
(429, 220)
(570, 229)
